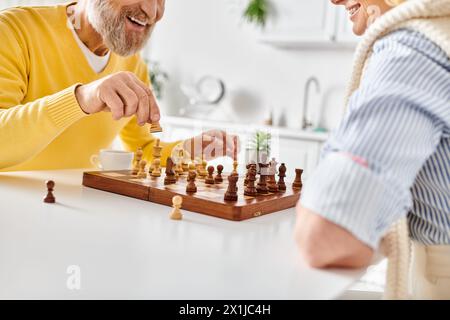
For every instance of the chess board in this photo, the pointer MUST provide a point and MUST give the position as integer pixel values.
(209, 199)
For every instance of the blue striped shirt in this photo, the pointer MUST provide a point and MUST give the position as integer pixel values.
(390, 156)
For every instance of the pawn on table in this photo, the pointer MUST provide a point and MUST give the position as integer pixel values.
(210, 178)
(50, 198)
(218, 178)
(177, 201)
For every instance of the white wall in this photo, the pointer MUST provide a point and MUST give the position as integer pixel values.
(198, 37)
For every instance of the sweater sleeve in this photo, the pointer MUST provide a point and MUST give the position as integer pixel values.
(32, 125)
(133, 136)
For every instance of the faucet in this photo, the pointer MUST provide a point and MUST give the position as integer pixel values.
(305, 123)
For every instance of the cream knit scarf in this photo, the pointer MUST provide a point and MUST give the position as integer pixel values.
(429, 17)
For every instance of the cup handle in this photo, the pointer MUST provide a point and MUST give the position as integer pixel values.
(95, 161)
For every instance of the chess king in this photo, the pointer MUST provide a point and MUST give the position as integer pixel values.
(72, 80)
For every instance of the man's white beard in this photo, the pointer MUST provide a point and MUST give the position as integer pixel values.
(111, 25)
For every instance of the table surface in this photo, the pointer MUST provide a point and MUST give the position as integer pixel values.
(129, 249)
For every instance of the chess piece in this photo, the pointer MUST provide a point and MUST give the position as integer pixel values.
(155, 127)
(156, 172)
(272, 184)
(297, 185)
(141, 172)
(137, 160)
(191, 187)
(235, 166)
(179, 167)
(262, 184)
(218, 179)
(170, 173)
(282, 175)
(210, 178)
(248, 166)
(231, 194)
(185, 166)
(203, 172)
(177, 201)
(50, 198)
(250, 189)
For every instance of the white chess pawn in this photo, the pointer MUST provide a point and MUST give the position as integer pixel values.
(176, 212)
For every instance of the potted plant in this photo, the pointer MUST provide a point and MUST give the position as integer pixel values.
(259, 147)
(257, 12)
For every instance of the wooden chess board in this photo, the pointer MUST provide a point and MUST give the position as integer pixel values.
(209, 199)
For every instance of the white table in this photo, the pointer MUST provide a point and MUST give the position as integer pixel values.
(129, 249)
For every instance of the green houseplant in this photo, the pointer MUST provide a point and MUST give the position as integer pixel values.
(158, 78)
(259, 144)
(257, 12)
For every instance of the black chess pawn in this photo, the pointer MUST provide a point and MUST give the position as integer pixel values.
(297, 185)
(210, 178)
(282, 175)
(191, 187)
(50, 198)
(231, 194)
(218, 178)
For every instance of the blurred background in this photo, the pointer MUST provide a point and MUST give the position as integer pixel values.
(272, 71)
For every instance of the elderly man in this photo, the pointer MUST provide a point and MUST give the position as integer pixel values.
(71, 80)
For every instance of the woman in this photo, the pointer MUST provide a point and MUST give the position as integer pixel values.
(390, 157)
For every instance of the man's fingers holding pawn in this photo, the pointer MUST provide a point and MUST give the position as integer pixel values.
(123, 94)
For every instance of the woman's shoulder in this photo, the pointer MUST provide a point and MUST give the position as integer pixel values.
(410, 41)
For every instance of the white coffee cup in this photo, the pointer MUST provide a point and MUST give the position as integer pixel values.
(109, 160)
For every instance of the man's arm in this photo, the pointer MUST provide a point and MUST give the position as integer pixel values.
(325, 244)
(26, 129)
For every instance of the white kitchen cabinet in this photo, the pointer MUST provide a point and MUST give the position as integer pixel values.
(310, 20)
(307, 24)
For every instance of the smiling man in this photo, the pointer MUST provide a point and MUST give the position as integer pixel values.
(71, 80)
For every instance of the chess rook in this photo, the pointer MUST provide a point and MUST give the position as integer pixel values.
(297, 185)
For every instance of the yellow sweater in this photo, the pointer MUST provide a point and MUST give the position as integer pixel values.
(41, 124)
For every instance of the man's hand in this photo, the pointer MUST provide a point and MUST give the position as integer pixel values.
(213, 144)
(122, 94)
(325, 244)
